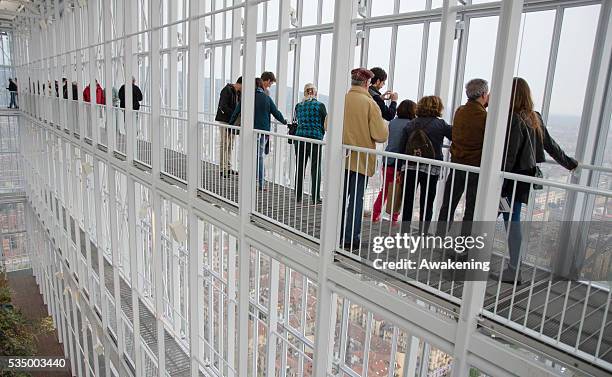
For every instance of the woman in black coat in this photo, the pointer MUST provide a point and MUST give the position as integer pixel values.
(527, 139)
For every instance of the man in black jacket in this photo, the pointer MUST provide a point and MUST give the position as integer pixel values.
(228, 99)
(136, 95)
(377, 83)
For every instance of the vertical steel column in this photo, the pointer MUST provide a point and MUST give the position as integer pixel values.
(129, 10)
(112, 205)
(236, 43)
(246, 178)
(342, 60)
(195, 299)
(108, 84)
(490, 180)
(445, 50)
(93, 38)
(131, 197)
(284, 27)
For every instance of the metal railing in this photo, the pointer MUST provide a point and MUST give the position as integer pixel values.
(220, 160)
(174, 147)
(277, 160)
(142, 125)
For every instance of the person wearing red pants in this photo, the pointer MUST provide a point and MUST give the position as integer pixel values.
(391, 169)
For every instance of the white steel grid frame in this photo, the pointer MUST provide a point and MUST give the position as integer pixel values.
(131, 172)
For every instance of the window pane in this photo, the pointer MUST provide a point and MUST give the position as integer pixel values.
(309, 12)
(408, 61)
(324, 68)
(534, 49)
(272, 15)
(571, 73)
(482, 36)
(328, 11)
(411, 5)
(270, 64)
(382, 7)
(307, 53)
(379, 48)
(431, 63)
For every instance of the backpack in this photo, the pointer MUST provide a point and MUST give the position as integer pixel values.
(419, 144)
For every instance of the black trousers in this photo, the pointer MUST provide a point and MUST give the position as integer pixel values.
(304, 151)
(428, 183)
(449, 203)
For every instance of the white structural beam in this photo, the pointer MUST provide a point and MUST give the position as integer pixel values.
(246, 177)
(490, 179)
(342, 60)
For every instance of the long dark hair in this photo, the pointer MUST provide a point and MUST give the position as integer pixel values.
(521, 104)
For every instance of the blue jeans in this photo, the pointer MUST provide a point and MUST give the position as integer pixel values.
(514, 235)
(354, 187)
(261, 150)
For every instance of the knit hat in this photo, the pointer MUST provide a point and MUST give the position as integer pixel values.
(361, 74)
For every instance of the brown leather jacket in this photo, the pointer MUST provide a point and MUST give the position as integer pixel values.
(468, 133)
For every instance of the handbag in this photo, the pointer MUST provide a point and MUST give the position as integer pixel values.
(292, 128)
(395, 190)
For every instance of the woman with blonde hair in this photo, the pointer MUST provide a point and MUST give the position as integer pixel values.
(527, 139)
(310, 117)
(425, 137)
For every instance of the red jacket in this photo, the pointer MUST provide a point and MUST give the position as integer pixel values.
(100, 98)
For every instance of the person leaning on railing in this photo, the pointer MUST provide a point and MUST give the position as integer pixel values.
(391, 170)
(527, 139)
(228, 100)
(310, 115)
(12, 88)
(264, 107)
(363, 127)
(429, 112)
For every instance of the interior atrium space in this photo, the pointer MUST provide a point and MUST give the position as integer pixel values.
(306, 188)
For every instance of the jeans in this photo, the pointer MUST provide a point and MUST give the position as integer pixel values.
(261, 151)
(390, 176)
(514, 235)
(457, 186)
(303, 151)
(428, 185)
(13, 100)
(354, 187)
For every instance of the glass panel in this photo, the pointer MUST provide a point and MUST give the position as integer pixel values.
(480, 50)
(379, 48)
(408, 61)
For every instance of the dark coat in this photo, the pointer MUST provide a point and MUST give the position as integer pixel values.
(228, 99)
(524, 149)
(264, 107)
(136, 97)
(12, 86)
(387, 112)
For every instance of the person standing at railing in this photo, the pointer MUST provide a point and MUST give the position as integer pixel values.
(136, 96)
(264, 107)
(468, 137)
(377, 83)
(100, 97)
(428, 144)
(228, 100)
(310, 115)
(391, 170)
(363, 127)
(65, 88)
(527, 139)
(12, 88)
(268, 78)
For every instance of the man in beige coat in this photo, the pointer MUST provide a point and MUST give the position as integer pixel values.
(363, 127)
